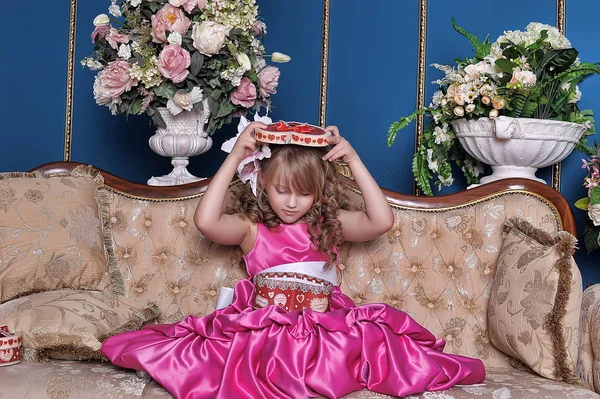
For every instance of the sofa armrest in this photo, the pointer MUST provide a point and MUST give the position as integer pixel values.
(588, 365)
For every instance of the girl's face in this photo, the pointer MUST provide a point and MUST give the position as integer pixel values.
(288, 204)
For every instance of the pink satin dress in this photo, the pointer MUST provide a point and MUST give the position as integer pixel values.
(245, 353)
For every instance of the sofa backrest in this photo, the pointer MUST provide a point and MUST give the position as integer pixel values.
(438, 266)
(436, 263)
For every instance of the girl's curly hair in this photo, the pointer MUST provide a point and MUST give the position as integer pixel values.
(302, 170)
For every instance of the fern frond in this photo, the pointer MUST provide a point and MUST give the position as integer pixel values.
(401, 124)
(422, 173)
(481, 49)
(576, 74)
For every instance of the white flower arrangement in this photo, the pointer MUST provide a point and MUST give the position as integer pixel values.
(182, 54)
(530, 74)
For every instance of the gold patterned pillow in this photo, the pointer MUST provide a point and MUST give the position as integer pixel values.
(534, 307)
(53, 234)
(71, 324)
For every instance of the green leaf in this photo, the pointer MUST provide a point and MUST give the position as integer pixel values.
(582, 203)
(225, 109)
(165, 90)
(197, 63)
(156, 118)
(595, 195)
(591, 234)
(505, 65)
(481, 49)
(213, 106)
(136, 107)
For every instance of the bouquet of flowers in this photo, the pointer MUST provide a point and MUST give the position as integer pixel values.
(182, 54)
(529, 74)
(591, 203)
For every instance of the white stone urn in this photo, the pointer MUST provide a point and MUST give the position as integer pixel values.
(517, 147)
(184, 137)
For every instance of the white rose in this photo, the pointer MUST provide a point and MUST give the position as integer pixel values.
(174, 38)
(244, 61)
(594, 214)
(470, 108)
(124, 51)
(114, 10)
(135, 3)
(459, 111)
(182, 100)
(209, 37)
(493, 113)
(101, 20)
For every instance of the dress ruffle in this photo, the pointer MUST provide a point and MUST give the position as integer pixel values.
(242, 352)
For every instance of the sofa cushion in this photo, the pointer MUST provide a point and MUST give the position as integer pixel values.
(535, 299)
(95, 380)
(71, 324)
(52, 234)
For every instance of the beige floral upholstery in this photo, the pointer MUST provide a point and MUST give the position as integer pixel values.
(589, 351)
(61, 379)
(164, 259)
(535, 300)
(51, 234)
(70, 324)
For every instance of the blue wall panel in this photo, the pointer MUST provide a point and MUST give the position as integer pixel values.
(33, 80)
(372, 80)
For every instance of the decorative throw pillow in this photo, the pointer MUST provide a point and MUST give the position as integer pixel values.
(533, 312)
(54, 234)
(71, 324)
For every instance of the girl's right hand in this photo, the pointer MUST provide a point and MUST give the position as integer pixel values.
(246, 143)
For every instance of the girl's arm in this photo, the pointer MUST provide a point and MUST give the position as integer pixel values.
(209, 217)
(377, 217)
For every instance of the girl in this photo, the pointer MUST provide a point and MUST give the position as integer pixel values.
(289, 233)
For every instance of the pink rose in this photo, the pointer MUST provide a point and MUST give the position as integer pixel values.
(245, 95)
(189, 5)
(168, 18)
(268, 79)
(117, 79)
(259, 28)
(111, 82)
(173, 62)
(114, 38)
(99, 32)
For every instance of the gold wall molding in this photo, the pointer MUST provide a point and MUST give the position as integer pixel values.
(561, 25)
(70, 81)
(324, 63)
(421, 57)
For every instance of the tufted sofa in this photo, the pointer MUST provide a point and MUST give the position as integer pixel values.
(437, 263)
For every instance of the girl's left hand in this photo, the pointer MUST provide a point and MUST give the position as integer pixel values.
(341, 147)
